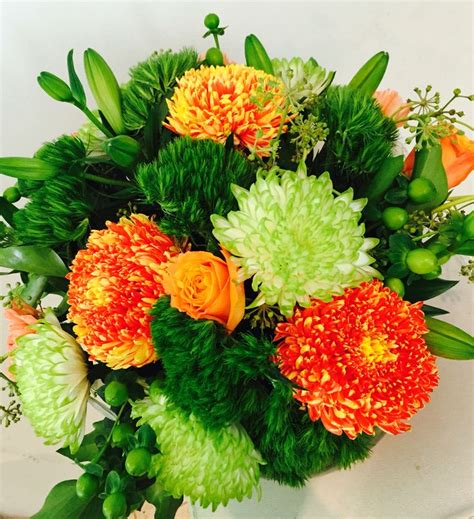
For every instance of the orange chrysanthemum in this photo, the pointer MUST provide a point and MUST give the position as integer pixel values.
(114, 283)
(215, 102)
(361, 358)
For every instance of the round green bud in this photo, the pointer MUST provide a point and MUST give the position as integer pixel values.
(121, 433)
(211, 21)
(138, 461)
(214, 57)
(87, 486)
(12, 194)
(394, 218)
(421, 190)
(114, 506)
(421, 261)
(116, 393)
(396, 285)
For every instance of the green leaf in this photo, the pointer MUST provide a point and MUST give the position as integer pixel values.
(369, 76)
(7, 210)
(62, 502)
(433, 310)
(428, 164)
(113, 483)
(123, 150)
(37, 260)
(448, 341)
(256, 56)
(88, 449)
(94, 468)
(397, 270)
(26, 168)
(423, 289)
(165, 504)
(396, 196)
(76, 85)
(466, 248)
(384, 178)
(400, 244)
(154, 126)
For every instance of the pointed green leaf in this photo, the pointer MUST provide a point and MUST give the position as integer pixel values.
(423, 289)
(29, 258)
(76, 85)
(369, 76)
(26, 168)
(433, 310)
(384, 178)
(7, 210)
(448, 341)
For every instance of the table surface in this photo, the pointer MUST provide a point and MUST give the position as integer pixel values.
(425, 473)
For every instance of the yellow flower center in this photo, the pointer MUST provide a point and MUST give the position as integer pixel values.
(96, 291)
(377, 350)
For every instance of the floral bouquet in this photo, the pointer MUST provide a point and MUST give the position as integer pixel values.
(230, 262)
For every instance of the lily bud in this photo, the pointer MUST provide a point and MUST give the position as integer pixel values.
(105, 89)
(123, 150)
(55, 87)
(369, 76)
(26, 168)
(256, 56)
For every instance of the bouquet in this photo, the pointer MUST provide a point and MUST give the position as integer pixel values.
(231, 262)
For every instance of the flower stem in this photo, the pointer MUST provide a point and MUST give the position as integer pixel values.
(216, 40)
(108, 181)
(453, 202)
(109, 437)
(96, 121)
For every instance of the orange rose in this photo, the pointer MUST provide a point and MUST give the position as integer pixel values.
(392, 105)
(205, 287)
(457, 156)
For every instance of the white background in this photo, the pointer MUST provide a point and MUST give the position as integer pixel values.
(426, 473)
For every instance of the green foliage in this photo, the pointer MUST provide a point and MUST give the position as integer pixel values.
(190, 180)
(208, 373)
(222, 379)
(360, 137)
(151, 81)
(296, 448)
(59, 208)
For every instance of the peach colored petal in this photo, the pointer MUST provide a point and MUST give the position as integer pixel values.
(237, 294)
(392, 105)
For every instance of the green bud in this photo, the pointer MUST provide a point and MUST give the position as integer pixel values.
(369, 76)
(123, 150)
(211, 21)
(26, 168)
(105, 89)
(457, 91)
(55, 87)
(256, 56)
(214, 57)
(12, 194)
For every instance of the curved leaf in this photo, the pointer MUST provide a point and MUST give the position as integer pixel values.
(37, 260)
(423, 289)
(27, 168)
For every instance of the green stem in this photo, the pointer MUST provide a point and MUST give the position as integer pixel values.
(216, 40)
(108, 181)
(452, 202)
(424, 236)
(109, 437)
(34, 289)
(96, 121)
(2, 375)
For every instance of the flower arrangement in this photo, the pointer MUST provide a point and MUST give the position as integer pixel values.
(242, 255)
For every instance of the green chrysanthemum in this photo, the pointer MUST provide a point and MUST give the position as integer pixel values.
(51, 373)
(296, 238)
(302, 79)
(208, 466)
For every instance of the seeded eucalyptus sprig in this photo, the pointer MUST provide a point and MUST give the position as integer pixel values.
(431, 120)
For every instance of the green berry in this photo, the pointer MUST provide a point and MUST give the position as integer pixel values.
(211, 21)
(396, 285)
(421, 190)
(114, 506)
(421, 261)
(87, 486)
(394, 218)
(214, 57)
(121, 433)
(12, 194)
(116, 393)
(138, 461)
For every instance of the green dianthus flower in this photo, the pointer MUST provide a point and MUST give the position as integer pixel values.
(209, 466)
(296, 238)
(51, 373)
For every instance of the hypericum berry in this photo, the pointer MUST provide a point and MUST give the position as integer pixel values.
(214, 57)
(121, 433)
(396, 285)
(394, 217)
(211, 21)
(421, 261)
(116, 393)
(421, 190)
(12, 194)
(87, 486)
(114, 506)
(138, 461)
